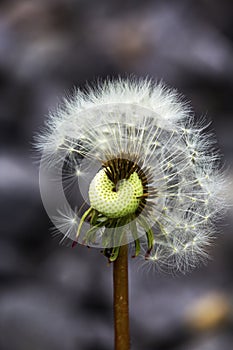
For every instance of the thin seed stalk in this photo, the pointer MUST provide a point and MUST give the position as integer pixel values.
(121, 300)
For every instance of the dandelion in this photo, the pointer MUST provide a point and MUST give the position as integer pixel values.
(144, 174)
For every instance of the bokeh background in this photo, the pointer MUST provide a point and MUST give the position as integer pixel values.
(54, 297)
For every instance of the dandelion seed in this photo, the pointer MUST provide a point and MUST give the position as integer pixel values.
(147, 175)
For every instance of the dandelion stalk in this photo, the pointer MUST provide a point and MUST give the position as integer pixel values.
(121, 300)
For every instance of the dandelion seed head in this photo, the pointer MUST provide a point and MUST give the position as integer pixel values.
(118, 200)
(146, 173)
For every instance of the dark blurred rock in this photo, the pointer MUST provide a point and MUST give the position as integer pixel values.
(35, 316)
(76, 272)
(12, 262)
(19, 200)
(214, 341)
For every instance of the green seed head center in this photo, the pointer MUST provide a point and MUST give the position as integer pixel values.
(115, 201)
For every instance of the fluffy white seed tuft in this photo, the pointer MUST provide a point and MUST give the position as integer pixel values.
(150, 123)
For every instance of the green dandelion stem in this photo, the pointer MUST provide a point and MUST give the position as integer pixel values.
(137, 248)
(119, 238)
(114, 254)
(94, 217)
(134, 232)
(90, 235)
(149, 233)
(87, 212)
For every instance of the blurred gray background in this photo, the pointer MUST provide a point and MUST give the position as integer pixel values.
(53, 297)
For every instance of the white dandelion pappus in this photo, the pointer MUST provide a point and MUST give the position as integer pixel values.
(142, 170)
